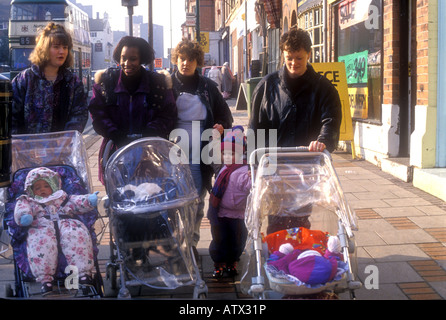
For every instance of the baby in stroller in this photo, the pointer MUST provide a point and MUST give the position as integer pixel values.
(51, 215)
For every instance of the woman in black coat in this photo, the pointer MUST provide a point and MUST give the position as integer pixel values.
(302, 105)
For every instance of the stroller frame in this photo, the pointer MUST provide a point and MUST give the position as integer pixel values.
(118, 284)
(257, 288)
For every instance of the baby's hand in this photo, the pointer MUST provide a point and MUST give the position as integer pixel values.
(26, 220)
(93, 198)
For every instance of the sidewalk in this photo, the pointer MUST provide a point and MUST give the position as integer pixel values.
(402, 231)
(401, 237)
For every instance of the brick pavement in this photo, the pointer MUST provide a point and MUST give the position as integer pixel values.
(402, 231)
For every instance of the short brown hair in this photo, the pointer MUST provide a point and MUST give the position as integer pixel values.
(190, 49)
(51, 34)
(295, 40)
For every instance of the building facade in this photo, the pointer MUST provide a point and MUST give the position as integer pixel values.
(390, 48)
(101, 43)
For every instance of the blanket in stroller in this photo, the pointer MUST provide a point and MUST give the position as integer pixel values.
(304, 257)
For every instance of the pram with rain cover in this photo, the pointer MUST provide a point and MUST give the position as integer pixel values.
(64, 153)
(151, 206)
(300, 227)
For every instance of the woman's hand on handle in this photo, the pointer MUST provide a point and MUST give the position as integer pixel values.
(316, 146)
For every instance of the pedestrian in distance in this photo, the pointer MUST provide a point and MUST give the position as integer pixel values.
(226, 85)
(216, 76)
(199, 102)
(302, 105)
(48, 97)
(227, 204)
(131, 102)
(50, 215)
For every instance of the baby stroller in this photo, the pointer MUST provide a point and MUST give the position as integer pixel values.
(64, 153)
(296, 211)
(151, 207)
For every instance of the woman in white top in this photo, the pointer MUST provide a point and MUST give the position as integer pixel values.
(200, 105)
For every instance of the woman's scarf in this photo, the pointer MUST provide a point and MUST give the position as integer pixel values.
(218, 190)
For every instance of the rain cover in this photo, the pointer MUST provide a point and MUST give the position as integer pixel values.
(153, 202)
(291, 191)
(301, 185)
(54, 148)
(141, 177)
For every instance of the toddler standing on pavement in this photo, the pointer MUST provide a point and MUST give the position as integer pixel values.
(227, 205)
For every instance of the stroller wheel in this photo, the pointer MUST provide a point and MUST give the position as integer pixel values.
(110, 282)
(124, 293)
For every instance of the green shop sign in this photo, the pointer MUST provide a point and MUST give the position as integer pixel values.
(356, 67)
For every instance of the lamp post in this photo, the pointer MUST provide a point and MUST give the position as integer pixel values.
(130, 4)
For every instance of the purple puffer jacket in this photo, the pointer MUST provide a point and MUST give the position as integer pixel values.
(233, 203)
(39, 106)
(150, 111)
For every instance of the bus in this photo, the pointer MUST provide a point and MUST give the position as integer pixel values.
(28, 17)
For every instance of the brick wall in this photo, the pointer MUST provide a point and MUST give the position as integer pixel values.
(422, 59)
(391, 52)
(207, 15)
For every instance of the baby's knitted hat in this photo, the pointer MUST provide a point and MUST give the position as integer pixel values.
(235, 140)
(42, 173)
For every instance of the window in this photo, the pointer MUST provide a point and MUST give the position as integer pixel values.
(311, 21)
(359, 46)
(273, 49)
(37, 12)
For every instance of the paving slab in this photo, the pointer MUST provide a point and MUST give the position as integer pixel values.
(394, 253)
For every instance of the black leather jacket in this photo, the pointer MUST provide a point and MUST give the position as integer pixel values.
(314, 112)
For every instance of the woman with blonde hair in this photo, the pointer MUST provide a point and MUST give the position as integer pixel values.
(47, 96)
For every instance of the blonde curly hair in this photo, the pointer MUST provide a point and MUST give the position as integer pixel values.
(51, 34)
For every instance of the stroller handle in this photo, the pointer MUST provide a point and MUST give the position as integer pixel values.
(277, 150)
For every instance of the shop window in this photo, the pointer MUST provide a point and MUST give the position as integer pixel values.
(359, 46)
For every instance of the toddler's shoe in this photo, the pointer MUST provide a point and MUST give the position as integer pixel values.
(86, 280)
(218, 271)
(46, 287)
(231, 270)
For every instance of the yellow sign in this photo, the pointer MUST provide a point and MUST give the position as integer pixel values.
(358, 102)
(335, 72)
(204, 41)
